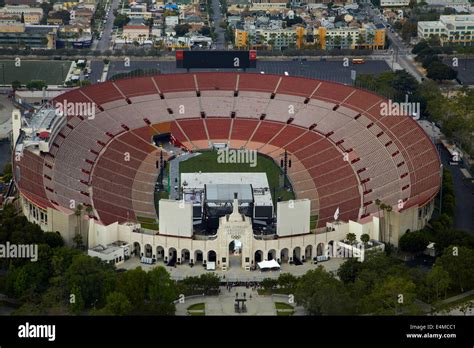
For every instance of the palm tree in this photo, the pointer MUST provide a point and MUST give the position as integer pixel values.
(378, 202)
(349, 40)
(337, 41)
(360, 40)
(78, 213)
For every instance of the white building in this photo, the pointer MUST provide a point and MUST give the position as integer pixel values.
(458, 29)
(394, 3)
(171, 21)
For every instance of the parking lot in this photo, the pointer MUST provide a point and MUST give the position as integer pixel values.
(324, 70)
(465, 70)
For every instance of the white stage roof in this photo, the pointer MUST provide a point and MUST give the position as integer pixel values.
(268, 264)
(259, 182)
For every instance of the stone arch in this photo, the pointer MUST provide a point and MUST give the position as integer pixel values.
(284, 255)
(271, 255)
(148, 251)
(320, 249)
(308, 252)
(137, 249)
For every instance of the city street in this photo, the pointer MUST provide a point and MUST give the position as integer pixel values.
(105, 41)
(217, 18)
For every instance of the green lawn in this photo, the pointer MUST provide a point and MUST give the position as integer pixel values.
(148, 223)
(284, 309)
(53, 72)
(207, 163)
(198, 309)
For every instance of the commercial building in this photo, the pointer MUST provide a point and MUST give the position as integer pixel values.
(28, 36)
(454, 29)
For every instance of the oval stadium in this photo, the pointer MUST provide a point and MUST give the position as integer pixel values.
(103, 161)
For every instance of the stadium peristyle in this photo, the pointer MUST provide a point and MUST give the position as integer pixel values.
(341, 157)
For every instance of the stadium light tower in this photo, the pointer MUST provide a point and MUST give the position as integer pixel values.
(285, 163)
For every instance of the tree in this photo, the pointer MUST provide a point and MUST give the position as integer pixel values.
(53, 239)
(121, 20)
(438, 281)
(76, 304)
(78, 212)
(413, 242)
(94, 278)
(420, 46)
(351, 238)
(117, 304)
(321, 293)
(161, 292)
(134, 284)
(36, 85)
(287, 281)
(349, 270)
(64, 15)
(393, 296)
(205, 30)
(182, 29)
(78, 241)
(209, 283)
(458, 261)
(365, 238)
(269, 284)
(16, 85)
(439, 72)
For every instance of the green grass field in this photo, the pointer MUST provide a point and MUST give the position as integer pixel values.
(207, 163)
(198, 309)
(284, 309)
(148, 223)
(53, 72)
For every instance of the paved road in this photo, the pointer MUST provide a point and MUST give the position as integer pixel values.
(104, 42)
(400, 50)
(217, 18)
(464, 192)
(174, 173)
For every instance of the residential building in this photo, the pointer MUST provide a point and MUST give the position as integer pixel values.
(277, 38)
(31, 15)
(455, 29)
(369, 36)
(171, 21)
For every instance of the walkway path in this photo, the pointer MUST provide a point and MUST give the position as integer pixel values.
(224, 303)
(234, 273)
(174, 173)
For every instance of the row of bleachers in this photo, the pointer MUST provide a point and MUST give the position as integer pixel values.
(251, 105)
(216, 106)
(362, 100)
(221, 82)
(313, 149)
(218, 128)
(194, 129)
(287, 135)
(266, 131)
(243, 129)
(282, 108)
